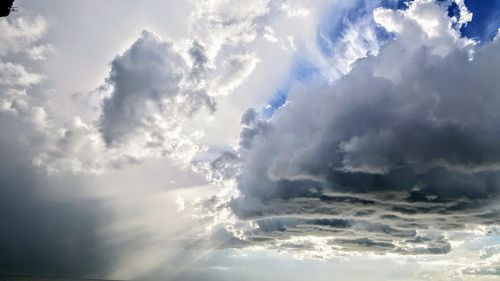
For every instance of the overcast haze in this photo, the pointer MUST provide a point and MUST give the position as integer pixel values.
(250, 140)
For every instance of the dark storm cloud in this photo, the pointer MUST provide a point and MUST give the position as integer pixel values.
(384, 160)
(42, 233)
(436, 129)
(43, 230)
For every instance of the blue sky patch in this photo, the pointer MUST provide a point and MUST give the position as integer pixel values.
(303, 71)
(485, 20)
(335, 23)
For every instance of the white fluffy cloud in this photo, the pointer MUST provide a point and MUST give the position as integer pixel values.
(156, 86)
(152, 90)
(19, 35)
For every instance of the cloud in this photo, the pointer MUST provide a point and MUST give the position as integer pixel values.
(390, 157)
(16, 75)
(226, 23)
(399, 156)
(58, 217)
(346, 33)
(154, 90)
(20, 35)
(377, 122)
(43, 232)
(150, 88)
(83, 225)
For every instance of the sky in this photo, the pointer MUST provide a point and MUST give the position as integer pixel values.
(250, 140)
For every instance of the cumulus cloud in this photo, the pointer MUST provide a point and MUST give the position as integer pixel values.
(22, 34)
(390, 157)
(60, 223)
(19, 37)
(153, 89)
(156, 87)
(150, 85)
(16, 75)
(413, 127)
